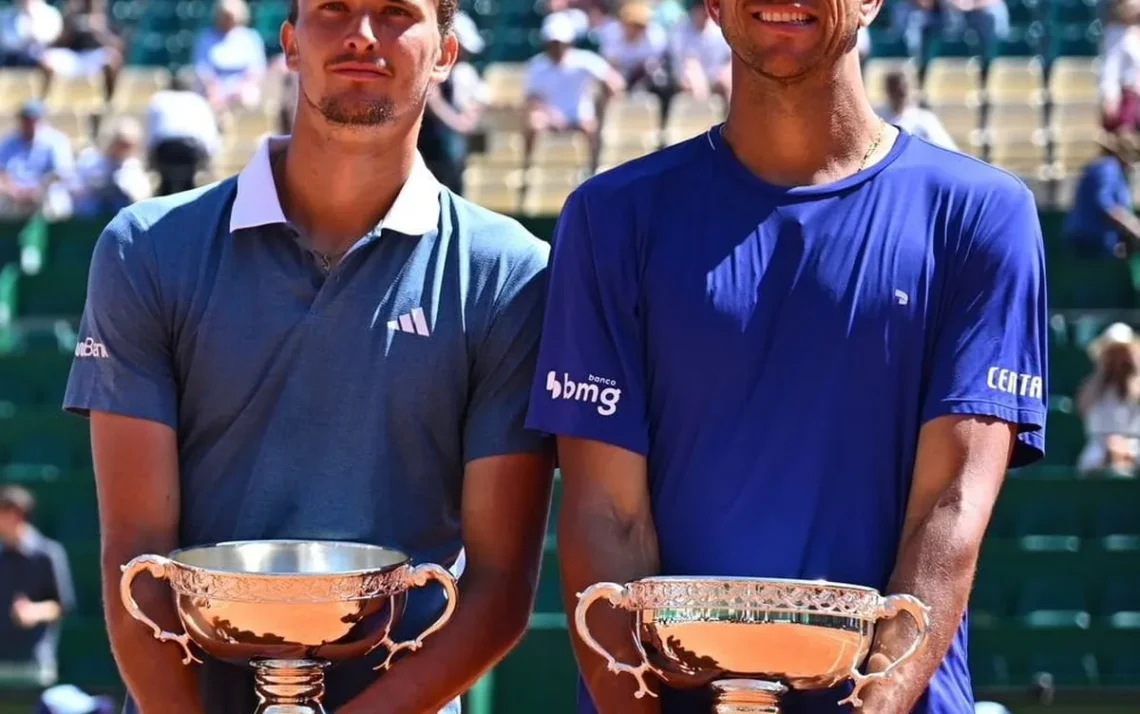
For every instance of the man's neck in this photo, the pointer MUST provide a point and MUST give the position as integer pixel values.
(812, 132)
(15, 539)
(338, 190)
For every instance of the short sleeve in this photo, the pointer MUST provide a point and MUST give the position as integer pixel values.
(590, 381)
(123, 362)
(989, 352)
(503, 365)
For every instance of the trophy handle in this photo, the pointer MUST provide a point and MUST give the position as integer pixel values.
(159, 568)
(892, 606)
(417, 578)
(618, 596)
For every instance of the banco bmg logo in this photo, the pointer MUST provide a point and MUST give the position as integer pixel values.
(594, 390)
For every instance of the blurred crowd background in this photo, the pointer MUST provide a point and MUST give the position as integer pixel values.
(107, 102)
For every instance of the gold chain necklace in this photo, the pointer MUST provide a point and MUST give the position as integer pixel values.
(874, 146)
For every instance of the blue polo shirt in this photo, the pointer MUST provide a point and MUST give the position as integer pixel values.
(309, 405)
(774, 352)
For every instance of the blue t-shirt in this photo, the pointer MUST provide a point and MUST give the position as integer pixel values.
(774, 353)
(342, 405)
(1103, 185)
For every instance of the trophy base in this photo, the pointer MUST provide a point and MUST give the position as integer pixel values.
(289, 686)
(747, 696)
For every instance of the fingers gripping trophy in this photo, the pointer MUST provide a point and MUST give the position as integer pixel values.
(752, 638)
(288, 609)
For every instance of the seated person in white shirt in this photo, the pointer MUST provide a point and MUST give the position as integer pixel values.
(634, 45)
(561, 84)
(229, 59)
(903, 111)
(182, 134)
(701, 58)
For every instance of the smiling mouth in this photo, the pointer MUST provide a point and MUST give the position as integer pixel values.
(784, 18)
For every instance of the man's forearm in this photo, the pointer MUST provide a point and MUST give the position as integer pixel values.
(153, 671)
(936, 564)
(491, 617)
(595, 550)
(47, 611)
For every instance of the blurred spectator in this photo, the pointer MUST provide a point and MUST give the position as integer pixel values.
(667, 13)
(36, 163)
(454, 110)
(903, 111)
(1109, 402)
(561, 84)
(1101, 222)
(1117, 16)
(27, 28)
(701, 57)
(1119, 85)
(69, 699)
(229, 59)
(928, 21)
(182, 135)
(86, 47)
(113, 178)
(35, 590)
(635, 47)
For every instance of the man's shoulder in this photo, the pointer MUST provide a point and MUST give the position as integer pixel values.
(954, 172)
(491, 237)
(160, 231)
(187, 216)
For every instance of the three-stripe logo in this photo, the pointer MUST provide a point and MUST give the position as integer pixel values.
(411, 322)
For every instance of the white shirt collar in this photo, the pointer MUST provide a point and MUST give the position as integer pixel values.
(414, 212)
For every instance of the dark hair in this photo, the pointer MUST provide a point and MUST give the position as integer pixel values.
(445, 9)
(17, 498)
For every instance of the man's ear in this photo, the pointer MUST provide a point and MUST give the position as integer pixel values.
(448, 56)
(288, 37)
(712, 7)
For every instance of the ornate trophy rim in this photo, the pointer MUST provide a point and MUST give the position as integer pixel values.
(235, 586)
(682, 592)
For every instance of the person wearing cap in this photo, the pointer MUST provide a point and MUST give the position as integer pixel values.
(1101, 222)
(561, 86)
(635, 46)
(454, 110)
(36, 162)
(1109, 403)
(330, 345)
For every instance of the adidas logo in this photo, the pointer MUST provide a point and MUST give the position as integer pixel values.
(412, 322)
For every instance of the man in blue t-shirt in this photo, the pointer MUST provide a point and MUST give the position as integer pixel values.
(1101, 222)
(329, 346)
(804, 344)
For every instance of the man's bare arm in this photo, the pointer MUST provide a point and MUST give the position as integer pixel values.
(506, 500)
(136, 472)
(606, 533)
(958, 473)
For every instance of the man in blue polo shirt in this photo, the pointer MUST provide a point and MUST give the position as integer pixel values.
(804, 344)
(328, 346)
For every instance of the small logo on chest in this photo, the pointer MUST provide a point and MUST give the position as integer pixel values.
(902, 298)
(411, 322)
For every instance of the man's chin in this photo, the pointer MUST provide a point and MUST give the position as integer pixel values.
(358, 112)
